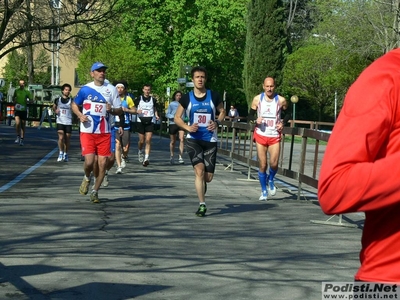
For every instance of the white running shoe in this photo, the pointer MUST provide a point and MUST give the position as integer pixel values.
(65, 157)
(119, 170)
(123, 162)
(21, 142)
(271, 188)
(264, 196)
(140, 156)
(181, 160)
(60, 157)
(17, 140)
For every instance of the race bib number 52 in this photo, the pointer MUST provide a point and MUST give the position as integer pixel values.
(98, 109)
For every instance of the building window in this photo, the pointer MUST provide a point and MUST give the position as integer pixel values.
(76, 79)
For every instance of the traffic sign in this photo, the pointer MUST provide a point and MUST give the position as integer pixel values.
(181, 80)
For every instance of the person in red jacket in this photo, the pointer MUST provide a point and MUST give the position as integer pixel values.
(360, 171)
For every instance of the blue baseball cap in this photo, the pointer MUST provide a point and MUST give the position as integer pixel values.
(97, 65)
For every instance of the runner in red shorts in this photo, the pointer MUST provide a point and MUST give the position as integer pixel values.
(267, 106)
(98, 99)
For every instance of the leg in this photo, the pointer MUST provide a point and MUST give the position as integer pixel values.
(273, 151)
(60, 145)
(181, 142)
(262, 175)
(23, 123)
(18, 127)
(199, 171)
(118, 152)
(172, 141)
(141, 141)
(148, 137)
(102, 163)
(118, 155)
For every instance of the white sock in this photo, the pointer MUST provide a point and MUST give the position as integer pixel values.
(61, 153)
(146, 157)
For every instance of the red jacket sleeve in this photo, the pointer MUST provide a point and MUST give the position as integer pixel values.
(361, 166)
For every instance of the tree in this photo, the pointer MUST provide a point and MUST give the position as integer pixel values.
(176, 33)
(16, 67)
(121, 58)
(27, 23)
(316, 72)
(265, 45)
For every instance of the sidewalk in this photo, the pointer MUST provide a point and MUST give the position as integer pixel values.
(144, 241)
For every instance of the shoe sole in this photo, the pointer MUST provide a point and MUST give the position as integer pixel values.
(145, 163)
(201, 214)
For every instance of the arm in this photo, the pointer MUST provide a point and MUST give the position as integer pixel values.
(179, 121)
(155, 110)
(358, 170)
(253, 115)
(221, 117)
(168, 113)
(78, 113)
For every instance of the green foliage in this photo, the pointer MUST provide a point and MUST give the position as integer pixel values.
(265, 45)
(16, 68)
(121, 58)
(316, 72)
(175, 33)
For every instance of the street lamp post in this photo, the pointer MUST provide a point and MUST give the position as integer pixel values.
(188, 84)
(294, 99)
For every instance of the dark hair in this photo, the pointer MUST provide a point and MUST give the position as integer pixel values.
(176, 92)
(66, 85)
(199, 69)
(147, 84)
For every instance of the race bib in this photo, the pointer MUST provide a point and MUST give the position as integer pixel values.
(98, 109)
(269, 122)
(202, 119)
(19, 106)
(145, 113)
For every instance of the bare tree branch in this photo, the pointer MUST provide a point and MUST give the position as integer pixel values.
(75, 19)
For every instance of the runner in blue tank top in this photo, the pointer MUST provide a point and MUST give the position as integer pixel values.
(202, 106)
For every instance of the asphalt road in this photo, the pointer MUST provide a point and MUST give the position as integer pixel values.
(143, 241)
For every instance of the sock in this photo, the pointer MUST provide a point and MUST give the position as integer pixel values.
(106, 172)
(272, 174)
(61, 153)
(146, 157)
(202, 203)
(262, 177)
(86, 178)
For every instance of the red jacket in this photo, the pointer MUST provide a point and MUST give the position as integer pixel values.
(360, 171)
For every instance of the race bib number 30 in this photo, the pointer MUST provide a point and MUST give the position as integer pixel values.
(98, 109)
(202, 119)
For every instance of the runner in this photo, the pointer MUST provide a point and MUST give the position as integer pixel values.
(201, 106)
(99, 99)
(146, 112)
(63, 111)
